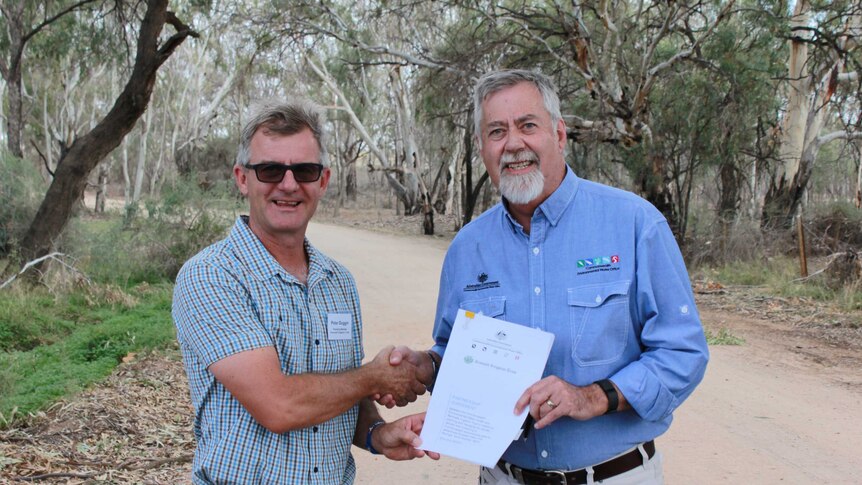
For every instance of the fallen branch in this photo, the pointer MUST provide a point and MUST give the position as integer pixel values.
(157, 462)
(832, 268)
(34, 478)
(29, 265)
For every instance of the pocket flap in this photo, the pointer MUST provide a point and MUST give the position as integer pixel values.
(595, 295)
(490, 307)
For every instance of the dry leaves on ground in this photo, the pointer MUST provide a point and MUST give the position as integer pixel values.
(135, 427)
(817, 318)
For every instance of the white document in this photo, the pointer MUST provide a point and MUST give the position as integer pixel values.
(489, 363)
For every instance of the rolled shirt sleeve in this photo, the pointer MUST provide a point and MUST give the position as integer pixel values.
(675, 351)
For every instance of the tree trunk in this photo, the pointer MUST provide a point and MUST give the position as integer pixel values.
(813, 82)
(102, 188)
(653, 187)
(472, 197)
(141, 166)
(858, 199)
(86, 152)
(401, 192)
(15, 118)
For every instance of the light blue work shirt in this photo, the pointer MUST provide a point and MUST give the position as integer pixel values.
(601, 270)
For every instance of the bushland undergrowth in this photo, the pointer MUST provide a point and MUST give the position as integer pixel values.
(72, 330)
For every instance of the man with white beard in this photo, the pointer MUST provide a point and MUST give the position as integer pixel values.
(596, 266)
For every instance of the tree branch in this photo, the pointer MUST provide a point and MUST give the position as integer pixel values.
(29, 265)
(838, 135)
(53, 19)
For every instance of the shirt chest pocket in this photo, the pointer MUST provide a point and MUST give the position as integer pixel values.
(600, 321)
(494, 306)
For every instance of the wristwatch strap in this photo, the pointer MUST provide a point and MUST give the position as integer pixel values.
(611, 392)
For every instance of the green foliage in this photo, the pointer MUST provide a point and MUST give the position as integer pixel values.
(21, 190)
(210, 162)
(151, 245)
(780, 276)
(723, 337)
(772, 272)
(833, 227)
(111, 324)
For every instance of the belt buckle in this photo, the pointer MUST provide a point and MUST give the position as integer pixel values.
(562, 475)
(516, 474)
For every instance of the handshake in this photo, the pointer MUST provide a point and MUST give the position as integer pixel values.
(401, 374)
(396, 376)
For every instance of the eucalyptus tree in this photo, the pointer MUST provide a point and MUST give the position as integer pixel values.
(87, 150)
(822, 96)
(20, 22)
(369, 40)
(190, 107)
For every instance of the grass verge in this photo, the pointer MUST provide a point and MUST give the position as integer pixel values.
(723, 337)
(87, 347)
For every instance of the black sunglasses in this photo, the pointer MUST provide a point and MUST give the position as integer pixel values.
(273, 173)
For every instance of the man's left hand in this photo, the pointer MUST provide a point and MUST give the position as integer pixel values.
(552, 398)
(399, 440)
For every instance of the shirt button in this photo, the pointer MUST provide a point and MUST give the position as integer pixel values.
(314, 429)
(598, 298)
(537, 290)
(535, 250)
(315, 469)
(316, 341)
(544, 453)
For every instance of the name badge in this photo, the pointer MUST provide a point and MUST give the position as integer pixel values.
(339, 326)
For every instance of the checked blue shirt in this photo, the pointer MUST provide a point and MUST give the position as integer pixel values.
(232, 297)
(600, 269)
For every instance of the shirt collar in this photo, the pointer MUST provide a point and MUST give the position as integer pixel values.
(262, 265)
(556, 204)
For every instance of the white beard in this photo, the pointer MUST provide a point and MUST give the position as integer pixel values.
(521, 189)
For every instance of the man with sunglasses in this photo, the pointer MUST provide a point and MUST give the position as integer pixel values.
(270, 329)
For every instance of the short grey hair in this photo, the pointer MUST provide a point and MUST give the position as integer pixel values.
(283, 117)
(498, 80)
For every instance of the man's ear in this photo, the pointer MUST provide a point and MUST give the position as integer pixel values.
(240, 175)
(561, 134)
(324, 178)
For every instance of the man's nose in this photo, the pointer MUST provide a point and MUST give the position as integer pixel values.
(514, 142)
(288, 183)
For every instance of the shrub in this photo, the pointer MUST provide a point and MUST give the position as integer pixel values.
(833, 228)
(151, 245)
(21, 191)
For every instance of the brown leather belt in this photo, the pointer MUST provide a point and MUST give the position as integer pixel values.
(603, 471)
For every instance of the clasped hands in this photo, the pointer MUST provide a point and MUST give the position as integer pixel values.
(405, 375)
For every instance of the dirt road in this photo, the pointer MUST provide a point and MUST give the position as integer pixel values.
(781, 408)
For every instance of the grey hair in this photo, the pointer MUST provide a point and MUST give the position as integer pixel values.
(284, 118)
(498, 80)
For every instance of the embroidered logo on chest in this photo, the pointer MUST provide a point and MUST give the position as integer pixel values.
(598, 263)
(483, 283)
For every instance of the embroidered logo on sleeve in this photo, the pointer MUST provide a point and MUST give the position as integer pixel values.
(598, 263)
